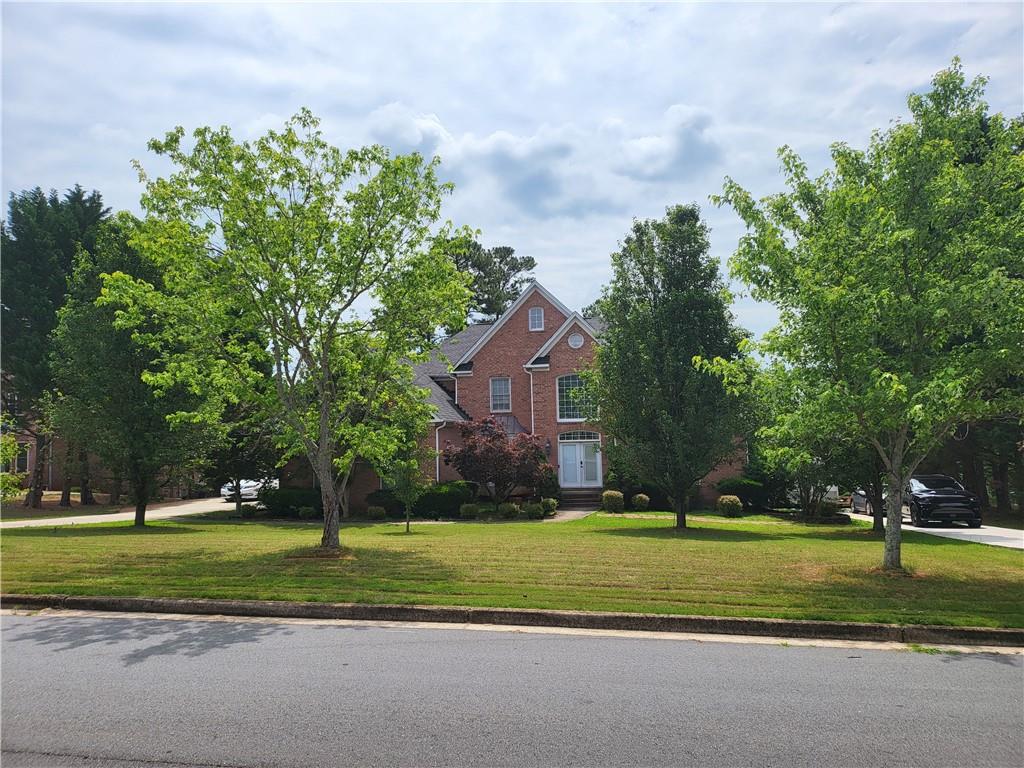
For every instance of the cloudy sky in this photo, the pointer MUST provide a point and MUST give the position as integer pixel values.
(558, 123)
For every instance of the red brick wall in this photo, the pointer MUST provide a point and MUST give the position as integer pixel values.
(563, 360)
(513, 345)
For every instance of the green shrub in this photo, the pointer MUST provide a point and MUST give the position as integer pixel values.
(730, 506)
(249, 511)
(376, 513)
(286, 502)
(641, 502)
(548, 486)
(750, 492)
(445, 499)
(533, 511)
(385, 497)
(549, 506)
(308, 513)
(469, 511)
(612, 501)
(441, 500)
(508, 510)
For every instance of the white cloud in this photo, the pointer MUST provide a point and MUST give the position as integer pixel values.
(558, 123)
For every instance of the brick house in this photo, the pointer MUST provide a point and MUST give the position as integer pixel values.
(520, 370)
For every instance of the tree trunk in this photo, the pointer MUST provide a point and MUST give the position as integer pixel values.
(85, 497)
(681, 505)
(894, 522)
(1018, 480)
(65, 491)
(324, 468)
(875, 496)
(140, 489)
(408, 516)
(34, 497)
(1001, 484)
(238, 495)
(115, 488)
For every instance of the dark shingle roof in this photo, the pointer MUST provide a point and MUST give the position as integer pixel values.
(439, 366)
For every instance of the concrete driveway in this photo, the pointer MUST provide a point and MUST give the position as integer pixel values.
(987, 534)
(159, 511)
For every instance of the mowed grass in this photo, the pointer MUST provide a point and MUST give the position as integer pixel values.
(717, 567)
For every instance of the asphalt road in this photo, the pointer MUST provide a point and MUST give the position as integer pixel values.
(88, 691)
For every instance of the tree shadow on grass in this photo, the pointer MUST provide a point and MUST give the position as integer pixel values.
(686, 534)
(142, 639)
(98, 530)
(854, 594)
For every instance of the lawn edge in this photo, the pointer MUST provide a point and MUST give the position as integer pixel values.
(533, 617)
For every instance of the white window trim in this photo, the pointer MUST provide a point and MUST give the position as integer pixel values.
(490, 393)
(529, 315)
(558, 401)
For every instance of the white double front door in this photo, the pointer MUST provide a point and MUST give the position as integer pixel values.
(579, 464)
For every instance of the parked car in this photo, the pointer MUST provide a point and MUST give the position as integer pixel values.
(249, 488)
(861, 504)
(941, 498)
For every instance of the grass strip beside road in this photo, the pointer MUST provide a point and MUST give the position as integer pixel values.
(602, 563)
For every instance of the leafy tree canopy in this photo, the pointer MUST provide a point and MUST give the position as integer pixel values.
(102, 400)
(499, 276)
(496, 463)
(897, 274)
(337, 259)
(665, 306)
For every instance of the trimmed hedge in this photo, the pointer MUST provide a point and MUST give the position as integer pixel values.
(612, 501)
(640, 502)
(750, 492)
(508, 511)
(286, 502)
(730, 506)
(445, 499)
(441, 500)
(533, 511)
(376, 513)
(469, 511)
(549, 506)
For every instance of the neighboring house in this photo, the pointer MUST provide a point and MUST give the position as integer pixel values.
(520, 370)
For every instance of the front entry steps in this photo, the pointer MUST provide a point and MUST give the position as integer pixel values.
(580, 498)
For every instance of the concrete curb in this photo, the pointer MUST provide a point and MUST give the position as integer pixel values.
(645, 622)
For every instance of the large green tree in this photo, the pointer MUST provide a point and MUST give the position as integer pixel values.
(670, 422)
(39, 240)
(99, 371)
(498, 276)
(337, 259)
(897, 276)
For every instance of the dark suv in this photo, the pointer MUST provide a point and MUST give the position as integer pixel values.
(941, 498)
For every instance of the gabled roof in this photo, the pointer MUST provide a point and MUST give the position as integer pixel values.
(540, 357)
(534, 286)
(444, 408)
(449, 350)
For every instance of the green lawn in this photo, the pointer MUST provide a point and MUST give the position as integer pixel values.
(718, 567)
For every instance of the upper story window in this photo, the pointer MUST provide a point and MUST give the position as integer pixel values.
(536, 318)
(570, 402)
(575, 340)
(501, 394)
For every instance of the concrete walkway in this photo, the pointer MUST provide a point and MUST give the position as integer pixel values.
(987, 534)
(159, 511)
(564, 516)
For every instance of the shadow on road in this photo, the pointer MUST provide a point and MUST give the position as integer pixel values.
(158, 637)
